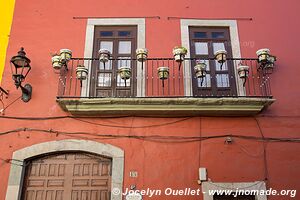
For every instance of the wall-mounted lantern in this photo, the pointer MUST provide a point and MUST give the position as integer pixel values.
(142, 55)
(243, 71)
(81, 73)
(20, 69)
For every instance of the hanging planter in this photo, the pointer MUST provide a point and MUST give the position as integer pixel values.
(271, 61)
(163, 73)
(243, 71)
(220, 56)
(263, 55)
(141, 54)
(179, 53)
(65, 55)
(125, 72)
(200, 70)
(56, 64)
(81, 72)
(104, 55)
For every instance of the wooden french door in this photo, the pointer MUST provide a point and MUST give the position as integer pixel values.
(68, 176)
(220, 80)
(121, 42)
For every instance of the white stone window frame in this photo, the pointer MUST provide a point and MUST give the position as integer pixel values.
(89, 42)
(235, 45)
(16, 174)
(210, 186)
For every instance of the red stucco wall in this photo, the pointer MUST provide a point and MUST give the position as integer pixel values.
(44, 27)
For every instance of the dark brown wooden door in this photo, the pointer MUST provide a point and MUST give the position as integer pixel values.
(231, 197)
(219, 81)
(121, 42)
(68, 176)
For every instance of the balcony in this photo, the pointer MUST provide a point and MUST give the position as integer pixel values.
(178, 92)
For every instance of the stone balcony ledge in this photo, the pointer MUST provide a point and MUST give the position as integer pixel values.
(164, 107)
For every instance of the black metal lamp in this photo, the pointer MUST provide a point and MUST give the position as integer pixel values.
(21, 69)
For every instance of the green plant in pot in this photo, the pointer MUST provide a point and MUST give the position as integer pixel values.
(163, 73)
(179, 53)
(56, 64)
(200, 69)
(65, 55)
(220, 56)
(104, 55)
(125, 72)
(141, 54)
(81, 72)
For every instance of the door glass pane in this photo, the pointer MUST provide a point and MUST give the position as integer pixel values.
(200, 34)
(218, 46)
(125, 47)
(124, 33)
(222, 80)
(217, 35)
(205, 81)
(109, 46)
(106, 33)
(201, 48)
(121, 82)
(122, 62)
(104, 79)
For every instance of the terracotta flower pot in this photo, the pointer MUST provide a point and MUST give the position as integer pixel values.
(125, 72)
(179, 53)
(81, 72)
(200, 70)
(163, 73)
(220, 56)
(243, 71)
(104, 55)
(263, 55)
(141, 54)
(56, 64)
(65, 55)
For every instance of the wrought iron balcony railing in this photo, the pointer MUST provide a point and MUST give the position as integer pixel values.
(128, 78)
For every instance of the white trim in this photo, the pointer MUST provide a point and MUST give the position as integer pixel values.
(185, 40)
(210, 186)
(14, 188)
(141, 43)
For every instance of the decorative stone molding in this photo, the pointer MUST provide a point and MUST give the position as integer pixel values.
(16, 172)
(165, 106)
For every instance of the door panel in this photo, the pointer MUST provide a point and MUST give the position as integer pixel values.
(77, 176)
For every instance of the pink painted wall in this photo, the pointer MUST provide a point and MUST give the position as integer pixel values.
(44, 27)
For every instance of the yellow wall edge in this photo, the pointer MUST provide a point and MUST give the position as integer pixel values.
(6, 16)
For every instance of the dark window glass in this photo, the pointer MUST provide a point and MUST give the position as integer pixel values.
(124, 33)
(106, 33)
(217, 35)
(200, 35)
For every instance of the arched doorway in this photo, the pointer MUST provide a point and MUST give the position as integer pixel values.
(68, 175)
(16, 174)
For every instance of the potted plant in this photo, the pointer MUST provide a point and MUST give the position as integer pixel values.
(124, 72)
(243, 71)
(104, 55)
(81, 72)
(263, 55)
(200, 69)
(141, 54)
(163, 73)
(179, 53)
(220, 56)
(65, 55)
(56, 64)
